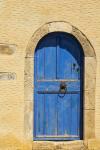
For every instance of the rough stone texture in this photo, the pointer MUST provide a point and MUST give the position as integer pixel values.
(28, 96)
(35, 39)
(63, 27)
(19, 19)
(28, 79)
(7, 49)
(7, 76)
(76, 145)
(89, 97)
(89, 124)
(90, 73)
(85, 43)
(60, 26)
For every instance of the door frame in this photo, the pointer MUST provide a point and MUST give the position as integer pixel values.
(89, 77)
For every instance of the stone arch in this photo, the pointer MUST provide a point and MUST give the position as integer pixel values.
(61, 27)
(89, 76)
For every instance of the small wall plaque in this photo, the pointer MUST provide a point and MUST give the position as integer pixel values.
(7, 76)
(7, 49)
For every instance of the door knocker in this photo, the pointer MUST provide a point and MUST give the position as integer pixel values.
(63, 89)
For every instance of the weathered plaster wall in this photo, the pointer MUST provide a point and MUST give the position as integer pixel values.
(19, 19)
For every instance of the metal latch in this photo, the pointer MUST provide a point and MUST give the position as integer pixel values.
(63, 88)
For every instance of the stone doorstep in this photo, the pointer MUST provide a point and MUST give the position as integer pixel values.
(92, 144)
(72, 145)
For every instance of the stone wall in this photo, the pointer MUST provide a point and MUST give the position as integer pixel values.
(19, 20)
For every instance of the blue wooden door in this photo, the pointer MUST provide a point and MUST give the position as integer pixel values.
(58, 70)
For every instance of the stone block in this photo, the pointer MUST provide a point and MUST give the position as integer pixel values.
(89, 124)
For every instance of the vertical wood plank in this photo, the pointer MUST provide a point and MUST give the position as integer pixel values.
(64, 115)
(75, 114)
(50, 114)
(50, 58)
(40, 63)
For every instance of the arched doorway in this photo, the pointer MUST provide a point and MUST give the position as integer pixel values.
(58, 88)
(89, 83)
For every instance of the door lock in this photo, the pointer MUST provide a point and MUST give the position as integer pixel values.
(63, 88)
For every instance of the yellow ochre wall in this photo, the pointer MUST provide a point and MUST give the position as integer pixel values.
(19, 19)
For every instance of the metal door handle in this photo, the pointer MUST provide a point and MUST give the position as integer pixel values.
(63, 88)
